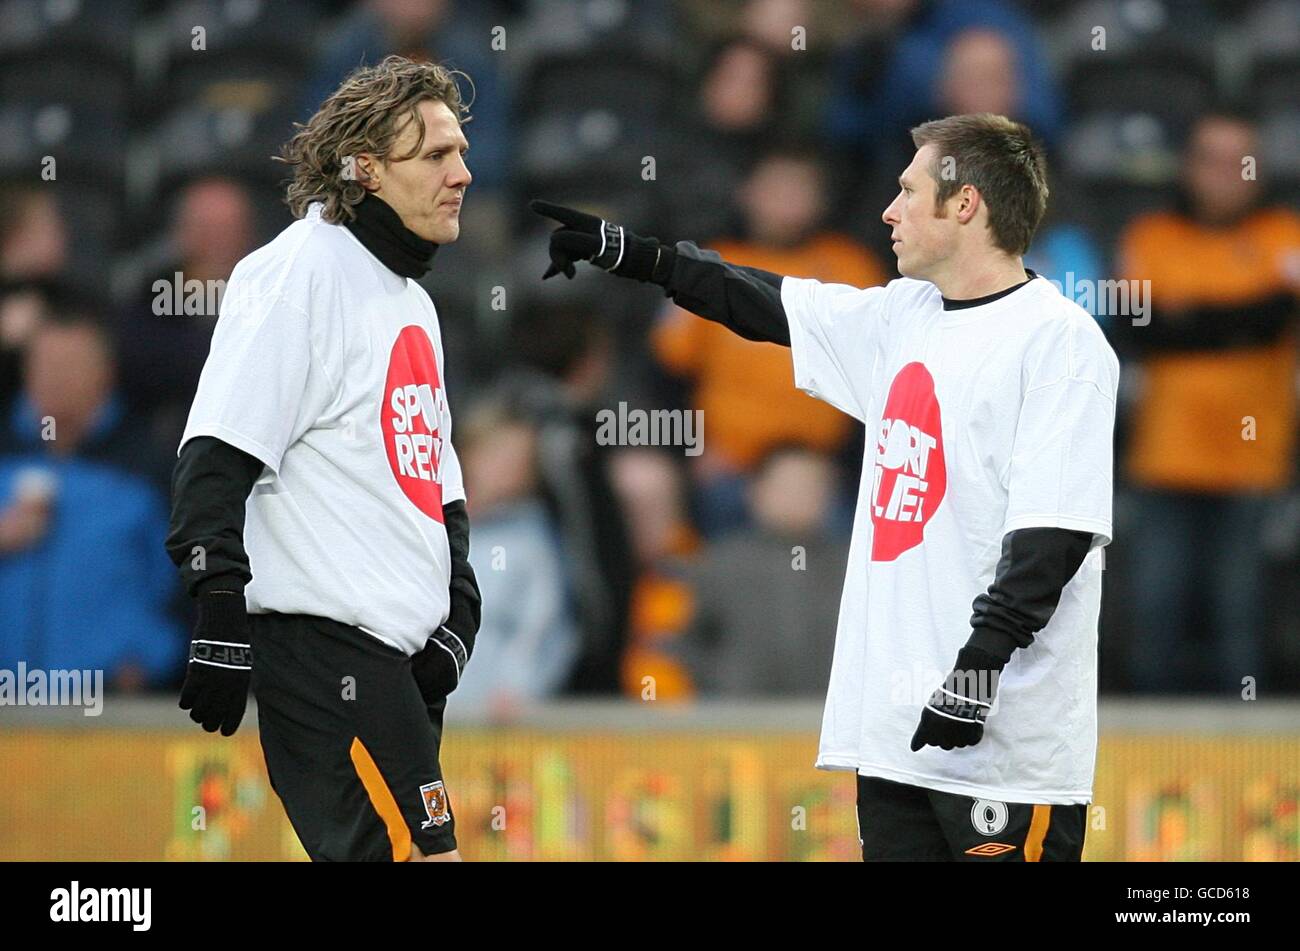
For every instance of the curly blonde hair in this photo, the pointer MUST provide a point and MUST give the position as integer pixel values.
(365, 114)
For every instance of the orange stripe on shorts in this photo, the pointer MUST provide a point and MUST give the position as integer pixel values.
(381, 797)
(1037, 833)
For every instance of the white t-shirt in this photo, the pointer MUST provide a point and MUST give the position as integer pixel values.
(980, 421)
(328, 367)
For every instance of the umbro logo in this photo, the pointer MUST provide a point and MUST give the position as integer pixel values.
(987, 849)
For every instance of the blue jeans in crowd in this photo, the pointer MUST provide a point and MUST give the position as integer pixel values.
(1190, 551)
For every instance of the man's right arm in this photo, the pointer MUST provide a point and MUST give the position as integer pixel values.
(261, 389)
(210, 488)
(831, 329)
(746, 300)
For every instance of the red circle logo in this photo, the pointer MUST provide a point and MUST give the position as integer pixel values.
(911, 475)
(410, 417)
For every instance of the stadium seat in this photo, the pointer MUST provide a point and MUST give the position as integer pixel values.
(1112, 205)
(1271, 31)
(250, 44)
(632, 83)
(102, 30)
(1275, 84)
(1169, 85)
(593, 146)
(87, 143)
(82, 50)
(579, 26)
(1134, 29)
(1280, 152)
(239, 141)
(1136, 147)
(98, 83)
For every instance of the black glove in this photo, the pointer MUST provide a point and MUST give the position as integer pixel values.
(585, 237)
(221, 663)
(955, 713)
(438, 665)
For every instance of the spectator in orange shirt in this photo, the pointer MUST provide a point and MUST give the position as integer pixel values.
(745, 389)
(1213, 439)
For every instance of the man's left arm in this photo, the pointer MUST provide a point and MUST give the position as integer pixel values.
(439, 666)
(1059, 488)
(1035, 567)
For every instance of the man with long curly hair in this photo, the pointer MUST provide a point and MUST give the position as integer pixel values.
(318, 510)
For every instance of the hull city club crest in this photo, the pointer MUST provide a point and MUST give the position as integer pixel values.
(435, 805)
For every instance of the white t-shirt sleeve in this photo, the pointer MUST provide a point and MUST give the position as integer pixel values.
(453, 481)
(449, 471)
(1061, 470)
(834, 329)
(262, 386)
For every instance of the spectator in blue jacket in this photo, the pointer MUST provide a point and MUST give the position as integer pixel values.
(84, 580)
(457, 35)
(980, 74)
(890, 79)
(528, 643)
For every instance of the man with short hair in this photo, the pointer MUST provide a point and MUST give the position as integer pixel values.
(324, 396)
(989, 402)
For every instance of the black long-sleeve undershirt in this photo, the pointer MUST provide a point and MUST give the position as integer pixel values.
(1035, 566)
(747, 300)
(455, 517)
(210, 488)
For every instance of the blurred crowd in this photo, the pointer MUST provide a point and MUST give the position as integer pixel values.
(135, 167)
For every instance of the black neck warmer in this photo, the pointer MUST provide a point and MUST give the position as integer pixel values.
(398, 248)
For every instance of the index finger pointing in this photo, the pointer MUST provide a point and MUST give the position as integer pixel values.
(565, 216)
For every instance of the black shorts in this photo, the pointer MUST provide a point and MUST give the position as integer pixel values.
(898, 822)
(351, 747)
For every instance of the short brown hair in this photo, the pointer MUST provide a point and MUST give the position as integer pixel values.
(365, 114)
(1002, 160)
